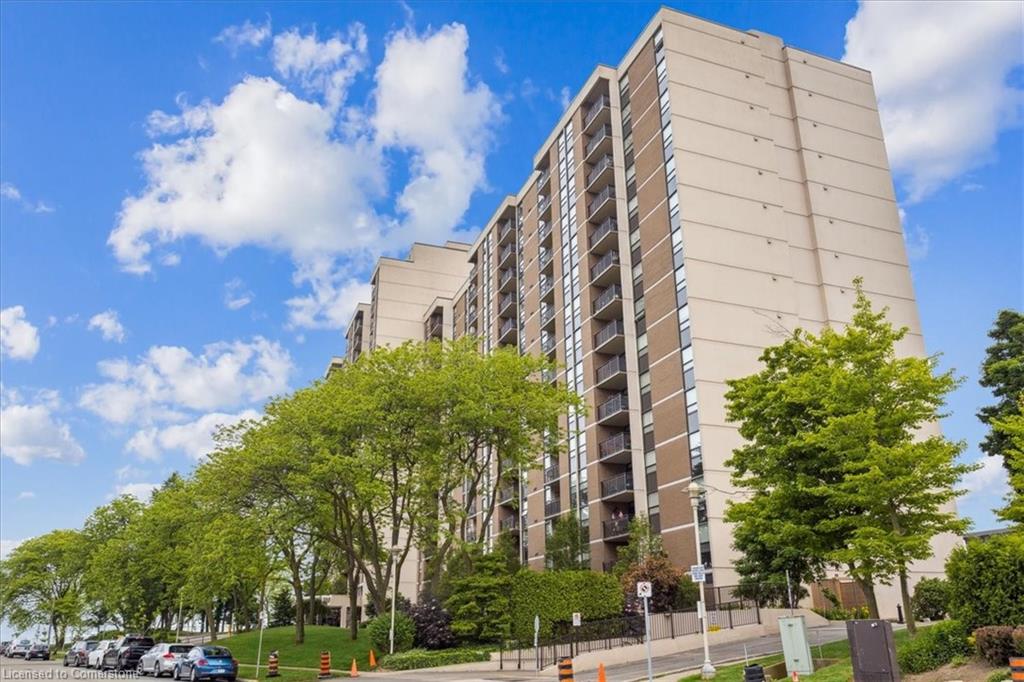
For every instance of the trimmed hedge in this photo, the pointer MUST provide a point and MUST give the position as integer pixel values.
(379, 631)
(931, 597)
(986, 581)
(422, 658)
(933, 647)
(556, 595)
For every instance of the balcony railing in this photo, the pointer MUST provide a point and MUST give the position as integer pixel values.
(607, 227)
(547, 313)
(507, 276)
(551, 473)
(603, 164)
(510, 523)
(545, 175)
(552, 508)
(615, 445)
(504, 230)
(543, 230)
(509, 250)
(609, 332)
(547, 343)
(544, 258)
(543, 203)
(434, 329)
(599, 136)
(595, 109)
(506, 327)
(606, 262)
(471, 316)
(607, 194)
(507, 493)
(546, 285)
(617, 528)
(617, 403)
(620, 483)
(505, 301)
(548, 375)
(607, 296)
(611, 368)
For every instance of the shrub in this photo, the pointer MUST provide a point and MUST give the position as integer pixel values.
(433, 625)
(479, 602)
(556, 595)
(379, 632)
(687, 595)
(1018, 639)
(986, 581)
(930, 598)
(933, 646)
(664, 578)
(994, 643)
(421, 658)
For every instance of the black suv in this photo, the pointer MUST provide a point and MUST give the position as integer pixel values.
(126, 652)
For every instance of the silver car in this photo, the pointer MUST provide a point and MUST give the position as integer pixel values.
(161, 659)
(96, 655)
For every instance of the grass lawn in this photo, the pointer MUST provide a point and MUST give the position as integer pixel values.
(307, 655)
(840, 672)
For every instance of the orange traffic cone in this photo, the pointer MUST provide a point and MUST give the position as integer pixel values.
(373, 660)
(600, 673)
(354, 672)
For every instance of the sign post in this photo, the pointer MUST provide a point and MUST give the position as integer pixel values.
(644, 591)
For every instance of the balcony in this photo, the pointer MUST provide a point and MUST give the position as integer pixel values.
(551, 473)
(549, 375)
(471, 291)
(552, 508)
(618, 488)
(611, 338)
(547, 344)
(606, 269)
(600, 143)
(544, 259)
(601, 174)
(612, 374)
(605, 236)
(544, 232)
(614, 411)
(547, 288)
(608, 305)
(599, 112)
(471, 316)
(615, 450)
(617, 530)
(506, 280)
(505, 254)
(542, 179)
(602, 205)
(507, 304)
(505, 231)
(435, 328)
(508, 494)
(547, 316)
(543, 204)
(507, 332)
(509, 523)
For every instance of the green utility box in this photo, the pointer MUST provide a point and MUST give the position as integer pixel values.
(795, 647)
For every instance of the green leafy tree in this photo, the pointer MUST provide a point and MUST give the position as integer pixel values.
(834, 460)
(282, 610)
(567, 545)
(41, 582)
(986, 581)
(643, 542)
(1011, 433)
(666, 581)
(479, 603)
(1003, 372)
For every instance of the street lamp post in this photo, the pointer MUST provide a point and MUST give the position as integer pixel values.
(395, 551)
(707, 671)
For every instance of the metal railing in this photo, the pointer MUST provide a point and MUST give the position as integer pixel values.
(543, 203)
(551, 473)
(607, 226)
(603, 164)
(607, 261)
(546, 285)
(617, 403)
(544, 176)
(506, 327)
(595, 109)
(509, 250)
(616, 528)
(547, 313)
(598, 137)
(604, 195)
(607, 296)
(544, 258)
(543, 230)
(506, 277)
(504, 230)
(510, 523)
(552, 508)
(611, 368)
(619, 483)
(505, 301)
(547, 344)
(614, 445)
(609, 332)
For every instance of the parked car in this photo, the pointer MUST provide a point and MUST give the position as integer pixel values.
(38, 650)
(162, 659)
(207, 663)
(20, 649)
(126, 652)
(78, 654)
(95, 657)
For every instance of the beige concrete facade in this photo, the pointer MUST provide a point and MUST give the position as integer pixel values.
(714, 191)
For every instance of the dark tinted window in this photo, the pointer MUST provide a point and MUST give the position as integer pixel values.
(179, 648)
(138, 641)
(216, 652)
(89, 646)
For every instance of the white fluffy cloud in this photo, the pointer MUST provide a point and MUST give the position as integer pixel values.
(108, 325)
(8, 546)
(236, 296)
(246, 34)
(325, 67)
(940, 70)
(30, 431)
(194, 438)
(427, 104)
(990, 482)
(140, 491)
(19, 338)
(169, 381)
(305, 176)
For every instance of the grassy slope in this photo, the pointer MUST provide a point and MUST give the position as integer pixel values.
(840, 672)
(307, 655)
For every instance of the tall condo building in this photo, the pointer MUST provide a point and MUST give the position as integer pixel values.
(715, 191)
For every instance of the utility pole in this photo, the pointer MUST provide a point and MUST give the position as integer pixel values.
(707, 671)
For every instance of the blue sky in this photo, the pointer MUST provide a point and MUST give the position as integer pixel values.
(300, 140)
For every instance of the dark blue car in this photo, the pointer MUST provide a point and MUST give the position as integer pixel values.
(207, 663)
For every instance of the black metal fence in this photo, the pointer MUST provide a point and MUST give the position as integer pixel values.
(567, 641)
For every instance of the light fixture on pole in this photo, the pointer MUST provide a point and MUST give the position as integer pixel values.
(395, 551)
(695, 491)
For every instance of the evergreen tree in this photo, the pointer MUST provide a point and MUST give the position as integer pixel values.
(567, 545)
(282, 608)
(1003, 372)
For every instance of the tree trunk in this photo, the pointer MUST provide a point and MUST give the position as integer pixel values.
(300, 611)
(211, 622)
(908, 611)
(868, 588)
(353, 603)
